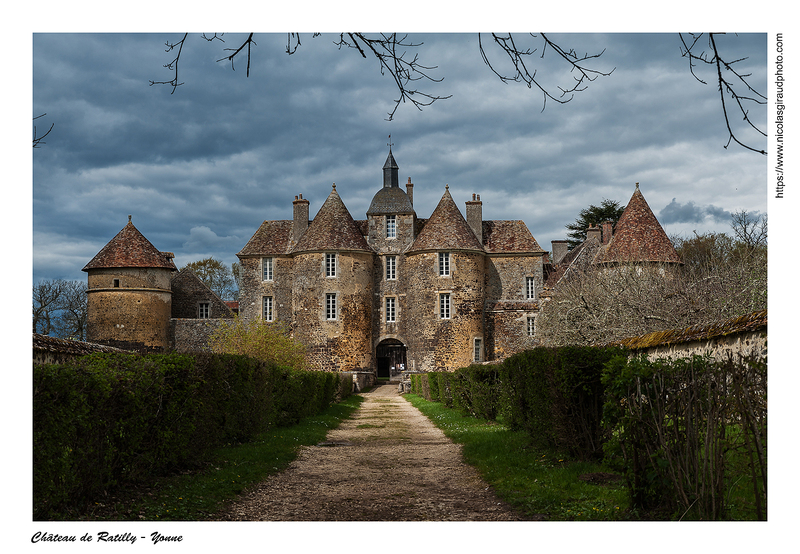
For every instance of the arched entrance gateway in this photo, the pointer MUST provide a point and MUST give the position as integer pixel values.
(391, 358)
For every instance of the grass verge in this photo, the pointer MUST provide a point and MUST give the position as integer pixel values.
(534, 481)
(198, 495)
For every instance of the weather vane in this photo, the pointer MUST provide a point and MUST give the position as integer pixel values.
(390, 142)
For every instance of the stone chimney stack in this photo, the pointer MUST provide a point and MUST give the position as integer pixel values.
(475, 216)
(300, 223)
(559, 250)
(410, 191)
(607, 230)
(593, 231)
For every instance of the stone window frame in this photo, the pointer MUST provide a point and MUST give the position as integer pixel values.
(391, 226)
(331, 265)
(477, 349)
(443, 263)
(204, 310)
(391, 268)
(530, 288)
(390, 309)
(331, 306)
(268, 269)
(268, 308)
(530, 325)
(445, 305)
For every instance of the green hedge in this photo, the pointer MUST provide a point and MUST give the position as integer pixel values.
(109, 419)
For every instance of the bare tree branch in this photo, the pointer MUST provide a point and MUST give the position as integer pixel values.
(730, 87)
(390, 51)
(173, 65)
(37, 140)
(522, 73)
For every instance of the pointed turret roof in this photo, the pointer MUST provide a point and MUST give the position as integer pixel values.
(130, 248)
(333, 228)
(446, 229)
(638, 236)
(390, 199)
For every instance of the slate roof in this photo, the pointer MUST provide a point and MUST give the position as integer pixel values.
(271, 238)
(638, 236)
(390, 200)
(446, 229)
(511, 237)
(333, 228)
(130, 248)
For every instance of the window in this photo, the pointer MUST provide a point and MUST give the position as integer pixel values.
(444, 264)
(266, 269)
(391, 268)
(391, 309)
(391, 226)
(330, 265)
(116, 283)
(531, 326)
(530, 288)
(203, 310)
(330, 306)
(444, 305)
(267, 312)
(477, 355)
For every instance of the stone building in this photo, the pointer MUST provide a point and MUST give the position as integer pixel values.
(384, 294)
(137, 297)
(394, 291)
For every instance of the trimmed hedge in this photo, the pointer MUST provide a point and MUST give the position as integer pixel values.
(105, 420)
(554, 394)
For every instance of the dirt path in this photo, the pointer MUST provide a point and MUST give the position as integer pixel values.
(386, 463)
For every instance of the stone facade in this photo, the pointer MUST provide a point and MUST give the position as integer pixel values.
(394, 292)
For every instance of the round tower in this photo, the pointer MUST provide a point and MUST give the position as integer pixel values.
(129, 295)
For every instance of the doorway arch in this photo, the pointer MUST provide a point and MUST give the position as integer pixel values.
(390, 356)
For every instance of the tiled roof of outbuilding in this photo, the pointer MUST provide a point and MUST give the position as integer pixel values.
(638, 236)
(333, 228)
(508, 237)
(271, 238)
(446, 229)
(130, 249)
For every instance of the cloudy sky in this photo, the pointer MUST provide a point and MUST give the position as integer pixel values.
(199, 169)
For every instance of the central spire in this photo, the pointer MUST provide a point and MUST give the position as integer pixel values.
(390, 169)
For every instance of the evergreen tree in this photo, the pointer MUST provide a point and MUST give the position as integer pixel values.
(608, 210)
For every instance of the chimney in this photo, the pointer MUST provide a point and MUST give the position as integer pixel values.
(607, 230)
(593, 231)
(410, 191)
(475, 216)
(559, 250)
(300, 223)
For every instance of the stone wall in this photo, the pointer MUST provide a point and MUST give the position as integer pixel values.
(188, 291)
(51, 350)
(192, 335)
(745, 336)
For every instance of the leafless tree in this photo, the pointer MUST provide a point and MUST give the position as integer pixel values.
(721, 277)
(749, 228)
(46, 295)
(70, 322)
(730, 81)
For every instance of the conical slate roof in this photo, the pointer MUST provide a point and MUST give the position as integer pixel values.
(638, 236)
(333, 228)
(130, 249)
(446, 229)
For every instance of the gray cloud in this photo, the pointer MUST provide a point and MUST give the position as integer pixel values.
(674, 212)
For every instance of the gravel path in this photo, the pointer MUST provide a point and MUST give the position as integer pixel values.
(388, 462)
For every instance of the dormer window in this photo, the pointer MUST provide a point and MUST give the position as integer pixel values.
(391, 226)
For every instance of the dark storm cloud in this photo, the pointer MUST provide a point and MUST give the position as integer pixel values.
(200, 169)
(674, 212)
